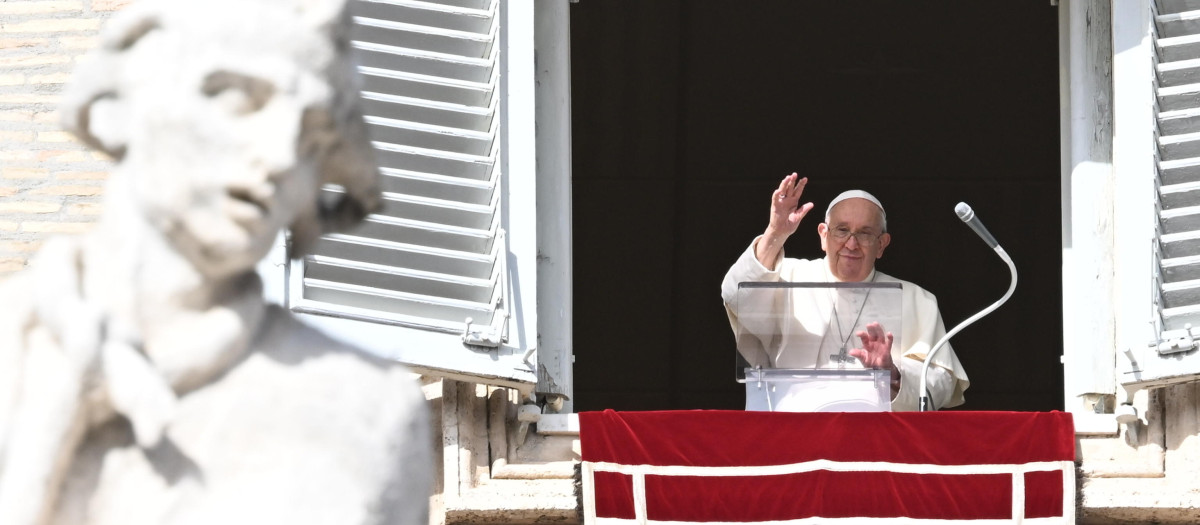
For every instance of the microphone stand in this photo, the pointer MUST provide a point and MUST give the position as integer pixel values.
(924, 405)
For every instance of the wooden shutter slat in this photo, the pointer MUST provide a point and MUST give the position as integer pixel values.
(430, 14)
(429, 258)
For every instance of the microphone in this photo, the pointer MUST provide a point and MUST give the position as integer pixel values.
(968, 216)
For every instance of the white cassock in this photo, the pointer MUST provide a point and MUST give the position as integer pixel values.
(811, 339)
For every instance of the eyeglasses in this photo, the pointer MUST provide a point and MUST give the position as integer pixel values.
(843, 233)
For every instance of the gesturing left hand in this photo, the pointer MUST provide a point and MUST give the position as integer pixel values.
(876, 352)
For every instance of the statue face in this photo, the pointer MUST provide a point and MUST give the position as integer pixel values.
(227, 120)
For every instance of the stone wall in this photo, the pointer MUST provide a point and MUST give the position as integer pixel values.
(1147, 473)
(49, 183)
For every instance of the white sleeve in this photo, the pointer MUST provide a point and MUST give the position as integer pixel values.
(941, 385)
(747, 268)
(753, 339)
(923, 328)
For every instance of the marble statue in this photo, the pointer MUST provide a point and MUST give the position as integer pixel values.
(142, 377)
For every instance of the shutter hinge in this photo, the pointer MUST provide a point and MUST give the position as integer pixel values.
(495, 334)
(1177, 341)
(487, 335)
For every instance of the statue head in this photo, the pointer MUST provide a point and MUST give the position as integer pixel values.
(226, 118)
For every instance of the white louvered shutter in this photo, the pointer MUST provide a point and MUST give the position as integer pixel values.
(425, 280)
(1173, 355)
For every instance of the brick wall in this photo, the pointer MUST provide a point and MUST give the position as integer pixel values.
(49, 183)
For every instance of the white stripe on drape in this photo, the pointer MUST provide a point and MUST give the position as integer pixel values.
(1017, 471)
(830, 465)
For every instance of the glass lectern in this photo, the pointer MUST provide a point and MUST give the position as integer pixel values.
(794, 339)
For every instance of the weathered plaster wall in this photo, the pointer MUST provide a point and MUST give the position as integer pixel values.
(49, 183)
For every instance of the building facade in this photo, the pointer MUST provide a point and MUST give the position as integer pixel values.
(467, 275)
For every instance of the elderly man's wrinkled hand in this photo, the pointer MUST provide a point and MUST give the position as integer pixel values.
(876, 351)
(786, 210)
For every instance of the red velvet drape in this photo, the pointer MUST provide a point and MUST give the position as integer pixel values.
(897, 440)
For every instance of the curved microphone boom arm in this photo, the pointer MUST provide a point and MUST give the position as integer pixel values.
(968, 216)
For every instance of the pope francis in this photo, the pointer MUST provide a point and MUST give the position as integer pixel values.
(853, 236)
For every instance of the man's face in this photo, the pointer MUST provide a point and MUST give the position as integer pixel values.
(853, 239)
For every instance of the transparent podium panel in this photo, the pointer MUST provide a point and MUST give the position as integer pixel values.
(794, 342)
(818, 390)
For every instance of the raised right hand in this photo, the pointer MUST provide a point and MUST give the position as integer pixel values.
(786, 214)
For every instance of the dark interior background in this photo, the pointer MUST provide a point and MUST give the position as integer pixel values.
(686, 114)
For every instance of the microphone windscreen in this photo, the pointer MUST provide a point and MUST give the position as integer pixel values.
(964, 211)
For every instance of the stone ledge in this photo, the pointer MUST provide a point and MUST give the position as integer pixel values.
(1145, 500)
(516, 502)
